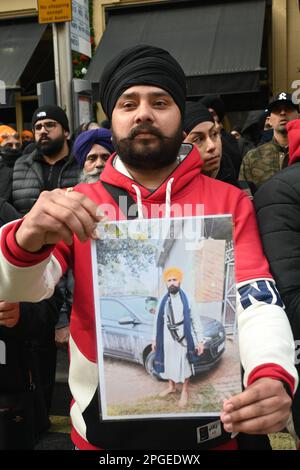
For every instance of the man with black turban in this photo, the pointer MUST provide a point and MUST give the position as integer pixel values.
(151, 67)
(142, 65)
(143, 95)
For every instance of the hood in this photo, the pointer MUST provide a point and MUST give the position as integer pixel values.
(188, 168)
(293, 128)
(254, 125)
(256, 117)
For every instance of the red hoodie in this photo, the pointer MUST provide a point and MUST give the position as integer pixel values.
(189, 187)
(293, 128)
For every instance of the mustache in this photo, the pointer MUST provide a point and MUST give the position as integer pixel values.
(96, 172)
(145, 128)
(91, 177)
(44, 137)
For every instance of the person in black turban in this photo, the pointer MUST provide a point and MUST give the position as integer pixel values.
(149, 143)
(142, 65)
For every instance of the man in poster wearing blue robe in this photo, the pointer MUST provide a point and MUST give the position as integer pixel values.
(177, 337)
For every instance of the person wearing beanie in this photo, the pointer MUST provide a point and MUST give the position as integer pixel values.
(277, 204)
(92, 149)
(50, 164)
(201, 130)
(231, 151)
(50, 112)
(143, 92)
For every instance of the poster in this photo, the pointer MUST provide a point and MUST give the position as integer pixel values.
(164, 292)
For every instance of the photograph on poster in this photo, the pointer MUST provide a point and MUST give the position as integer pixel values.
(164, 292)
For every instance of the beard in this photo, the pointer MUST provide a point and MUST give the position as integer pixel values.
(51, 147)
(145, 154)
(173, 289)
(91, 177)
(282, 130)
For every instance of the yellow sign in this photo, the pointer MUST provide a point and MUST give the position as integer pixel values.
(55, 11)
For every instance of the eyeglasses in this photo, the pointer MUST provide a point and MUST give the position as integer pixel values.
(48, 126)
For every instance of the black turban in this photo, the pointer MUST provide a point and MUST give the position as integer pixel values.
(216, 103)
(142, 65)
(195, 113)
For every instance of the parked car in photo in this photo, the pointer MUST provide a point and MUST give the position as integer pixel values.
(127, 324)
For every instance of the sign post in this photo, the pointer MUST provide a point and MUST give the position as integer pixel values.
(59, 13)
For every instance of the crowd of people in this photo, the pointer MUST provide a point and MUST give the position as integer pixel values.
(160, 151)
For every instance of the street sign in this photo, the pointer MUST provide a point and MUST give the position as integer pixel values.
(80, 28)
(54, 11)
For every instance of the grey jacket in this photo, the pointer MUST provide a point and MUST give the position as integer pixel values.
(28, 180)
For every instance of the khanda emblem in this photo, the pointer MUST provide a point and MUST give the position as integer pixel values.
(282, 96)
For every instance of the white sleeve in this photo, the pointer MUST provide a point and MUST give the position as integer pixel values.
(28, 284)
(265, 335)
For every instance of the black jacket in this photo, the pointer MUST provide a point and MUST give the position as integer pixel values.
(7, 212)
(277, 204)
(23, 411)
(29, 181)
(231, 150)
(226, 172)
(8, 158)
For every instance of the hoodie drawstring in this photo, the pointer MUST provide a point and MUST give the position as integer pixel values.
(139, 201)
(168, 199)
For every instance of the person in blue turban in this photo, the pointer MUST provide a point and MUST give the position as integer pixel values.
(92, 149)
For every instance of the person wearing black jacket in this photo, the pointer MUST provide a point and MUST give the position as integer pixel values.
(277, 204)
(23, 410)
(10, 151)
(49, 166)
